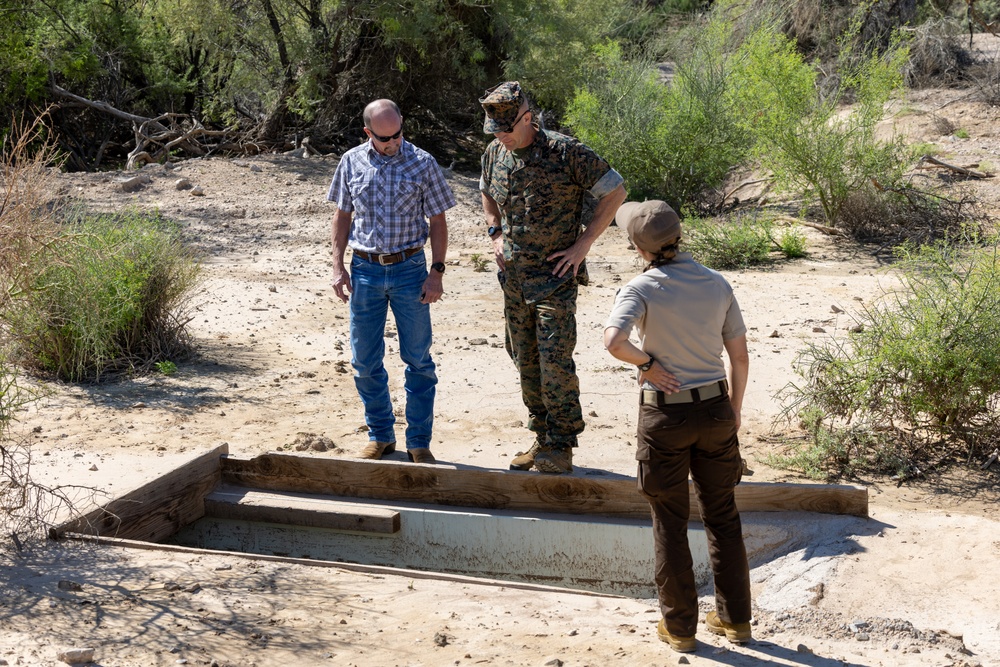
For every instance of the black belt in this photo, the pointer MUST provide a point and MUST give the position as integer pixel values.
(696, 395)
(387, 259)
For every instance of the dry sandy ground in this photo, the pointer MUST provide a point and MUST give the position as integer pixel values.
(273, 362)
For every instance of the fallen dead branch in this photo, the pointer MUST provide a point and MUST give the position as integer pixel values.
(965, 171)
(156, 138)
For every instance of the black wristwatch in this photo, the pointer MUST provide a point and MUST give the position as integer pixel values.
(438, 266)
(646, 366)
(494, 230)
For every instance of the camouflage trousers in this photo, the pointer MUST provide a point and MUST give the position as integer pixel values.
(540, 338)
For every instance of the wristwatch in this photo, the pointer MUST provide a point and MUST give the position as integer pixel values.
(494, 230)
(646, 366)
(438, 266)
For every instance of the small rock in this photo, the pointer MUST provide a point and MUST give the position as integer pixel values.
(93, 468)
(133, 184)
(802, 648)
(862, 636)
(592, 413)
(66, 585)
(819, 330)
(683, 660)
(478, 341)
(227, 566)
(193, 588)
(857, 328)
(76, 656)
(171, 586)
(440, 639)
(198, 191)
(272, 288)
(573, 633)
(775, 334)
(301, 177)
(182, 184)
(255, 168)
(553, 662)
(835, 309)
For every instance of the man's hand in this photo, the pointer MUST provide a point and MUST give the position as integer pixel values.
(570, 258)
(433, 287)
(341, 283)
(498, 251)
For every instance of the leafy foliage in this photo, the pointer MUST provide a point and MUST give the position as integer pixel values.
(736, 243)
(107, 298)
(922, 371)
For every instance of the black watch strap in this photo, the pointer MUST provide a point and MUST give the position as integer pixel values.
(438, 266)
(494, 230)
(646, 366)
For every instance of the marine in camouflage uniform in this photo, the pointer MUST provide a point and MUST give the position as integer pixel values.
(534, 183)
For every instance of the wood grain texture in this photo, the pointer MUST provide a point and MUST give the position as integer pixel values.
(158, 509)
(501, 489)
(250, 505)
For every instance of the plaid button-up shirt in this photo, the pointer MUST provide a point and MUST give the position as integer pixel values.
(390, 198)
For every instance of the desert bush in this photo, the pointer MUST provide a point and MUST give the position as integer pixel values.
(985, 78)
(919, 380)
(937, 57)
(908, 215)
(27, 230)
(739, 242)
(791, 243)
(669, 142)
(110, 298)
(812, 147)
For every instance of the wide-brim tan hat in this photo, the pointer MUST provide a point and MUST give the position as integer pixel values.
(651, 225)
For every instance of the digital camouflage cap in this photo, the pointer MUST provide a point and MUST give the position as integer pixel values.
(501, 105)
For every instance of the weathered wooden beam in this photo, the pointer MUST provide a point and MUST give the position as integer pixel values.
(250, 505)
(158, 509)
(502, 489)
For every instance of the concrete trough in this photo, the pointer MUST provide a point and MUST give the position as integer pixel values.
(598, 554)
(588, 533)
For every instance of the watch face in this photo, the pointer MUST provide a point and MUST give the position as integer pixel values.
(493, 231)
(438, 266)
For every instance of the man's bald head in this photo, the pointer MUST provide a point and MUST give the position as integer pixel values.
(381, 110)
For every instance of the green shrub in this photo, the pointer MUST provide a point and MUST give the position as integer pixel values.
(791, 243)
(921, 375)
(738, 243)
(109, 299)
(813, 148)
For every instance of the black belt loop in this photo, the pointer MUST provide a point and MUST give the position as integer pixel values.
(695, 396)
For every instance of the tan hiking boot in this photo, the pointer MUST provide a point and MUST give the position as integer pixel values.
(376, 450)
(679, 644)
(524, 460)
(554, 460)
(736, 633)
(421, 455)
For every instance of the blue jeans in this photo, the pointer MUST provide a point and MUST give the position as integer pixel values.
(375, 288)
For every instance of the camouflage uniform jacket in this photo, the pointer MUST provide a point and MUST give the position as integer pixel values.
(540, 191)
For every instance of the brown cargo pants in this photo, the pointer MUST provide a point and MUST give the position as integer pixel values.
(699, 438)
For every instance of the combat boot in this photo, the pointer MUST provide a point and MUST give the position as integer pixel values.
(554, 460)
(524, 460)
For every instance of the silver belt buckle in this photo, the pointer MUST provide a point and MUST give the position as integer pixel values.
(382, 262)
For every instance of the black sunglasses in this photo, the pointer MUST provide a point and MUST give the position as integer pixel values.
(386, 140)
(514, 124)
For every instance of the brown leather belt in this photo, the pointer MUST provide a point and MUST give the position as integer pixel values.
(391, 258)
(695, 395)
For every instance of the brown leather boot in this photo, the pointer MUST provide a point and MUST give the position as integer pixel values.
(524, 460)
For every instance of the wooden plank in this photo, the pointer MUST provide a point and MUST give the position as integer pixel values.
(250, 505)
(158, 509)
(502, 489)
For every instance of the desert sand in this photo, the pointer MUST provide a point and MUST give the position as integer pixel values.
(917, 579)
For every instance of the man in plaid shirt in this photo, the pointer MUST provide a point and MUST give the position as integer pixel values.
(391, 197)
